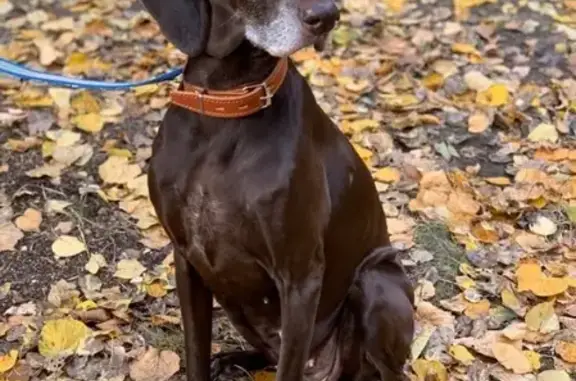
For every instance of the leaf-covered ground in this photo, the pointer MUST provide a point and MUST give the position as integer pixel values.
(465, 111)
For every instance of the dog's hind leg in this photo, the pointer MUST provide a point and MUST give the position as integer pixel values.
(384, 305)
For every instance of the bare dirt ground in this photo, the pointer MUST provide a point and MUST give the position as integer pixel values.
(466, 115)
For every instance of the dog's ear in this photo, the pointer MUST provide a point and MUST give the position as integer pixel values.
(226, 31)
(185, 23)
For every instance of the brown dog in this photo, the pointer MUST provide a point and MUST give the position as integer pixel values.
(269, 208)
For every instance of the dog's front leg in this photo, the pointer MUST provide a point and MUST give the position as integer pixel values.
(196, 305)
(299, 299)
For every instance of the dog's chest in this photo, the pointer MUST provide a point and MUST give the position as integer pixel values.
(220, 235)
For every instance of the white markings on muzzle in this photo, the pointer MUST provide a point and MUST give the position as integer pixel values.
(282, 35)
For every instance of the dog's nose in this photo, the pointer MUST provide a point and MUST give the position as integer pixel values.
(321, 17)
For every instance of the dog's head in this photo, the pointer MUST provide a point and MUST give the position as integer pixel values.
(217, 27)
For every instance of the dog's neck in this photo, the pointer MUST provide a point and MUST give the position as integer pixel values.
(246, 65)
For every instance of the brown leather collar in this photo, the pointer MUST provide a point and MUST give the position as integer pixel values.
(234, 103)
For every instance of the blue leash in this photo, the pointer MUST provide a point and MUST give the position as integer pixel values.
(23, 73)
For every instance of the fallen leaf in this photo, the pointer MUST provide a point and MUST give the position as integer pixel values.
(67, 246)
(429, 370)
(61, 97)
(477, 310)
(511, 358)
(515, 331)
(567, 351)
(534, 358)
(478, 122)
(544, 132)
(542, 318)
(553, 375)
(462, 354)
(156, 290)
(395, 5)
(7, 361)
(495, 95)
(5, 7)
(477, 81)
(61, 337)
(421, 340)
(29, 221)
(48, 54)
(95, 263)
(118, 170)
(510, 300)
(387, 175)
(92, 122)
(155, 365)
(9, 236)
(129, 269)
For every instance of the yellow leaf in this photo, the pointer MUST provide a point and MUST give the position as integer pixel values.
(510, 300)
(465, 282)
(531, 278)
(61, 337)
(542, 318)
(32, 98)
(429, 370)
(8, 361)
(400, 101)
(395, 5)
(86, 305)
(462, 354)
(85, 103)
(477, 310)
(48, 148)
(511, 358)
(549, 286)
(121, 152)
(67, 246)
(544, 132)
(478, 122)
(462, 48)
(146, 89)
(156, 290)
(567, 351)
(534, 359)
(387, 175)
(358, 126)
(498, 180)
(495, 95)
(433, 81)
(527, 274)
(92, 122)
(462, 7)
(365, 154)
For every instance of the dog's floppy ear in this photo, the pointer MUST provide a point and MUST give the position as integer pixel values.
(226, 31)
(185, 23)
